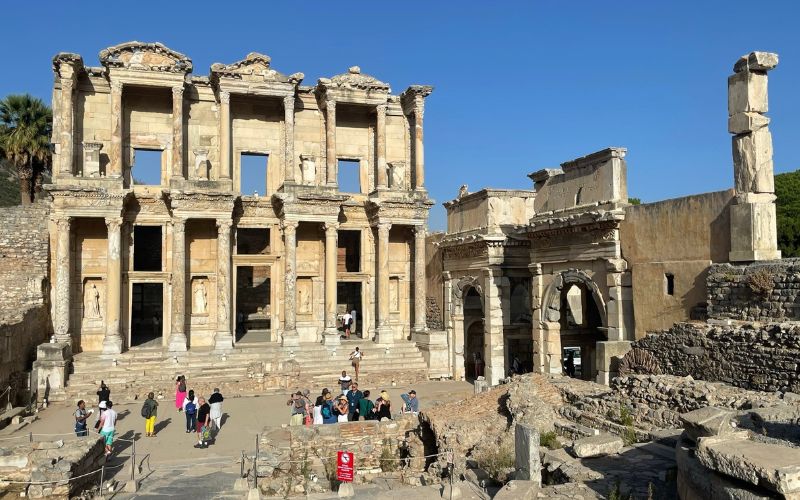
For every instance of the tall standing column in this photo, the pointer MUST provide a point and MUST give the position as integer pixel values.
(224, 135)
(288, 148)
(494, 348)
(67, 127)
(420, 285)
(383, 332)
(330, 142)
(112, 343)
(223, 340)
(290, 337)
(62, 295)
(115, 153)
(419, 148)
(331, 336)
(380, 132)
(177, 337)
(177, 132)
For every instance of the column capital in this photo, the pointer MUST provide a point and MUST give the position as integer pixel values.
(289, 226)
(419, 109)
(224, 225)
(331, 227)
(288, 101)
(177, 91)
(384, 227)
(330, 104)
(380, 109)
(62, 222)
(116, 86)
(178, 222)
(113, 223)
(67, 84)
(224, 97)
(420, 231)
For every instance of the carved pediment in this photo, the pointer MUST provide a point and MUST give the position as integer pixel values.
(142, 56)
(354, 79)
(254, 68)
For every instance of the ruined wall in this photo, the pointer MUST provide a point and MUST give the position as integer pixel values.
(434, 281)
(761, 359)
(768, 291)
(489, 209)
(697, 229)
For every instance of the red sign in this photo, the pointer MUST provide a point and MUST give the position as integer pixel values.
(344, 466)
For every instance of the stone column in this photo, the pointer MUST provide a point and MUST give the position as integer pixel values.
(224, 135)
(223, 340)
(753, 220)
(67, 127)
(115, 152)
(177, 337)
(112, 343)
(62, 289)
(177, 132)
(331, 336)
(383, 332)
(330, 142)
(494, 350)
(420, 284)
(380, 132)
(290, 337)
(288, 148)
(419, 148)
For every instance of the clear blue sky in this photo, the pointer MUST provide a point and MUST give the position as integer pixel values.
(519, 85)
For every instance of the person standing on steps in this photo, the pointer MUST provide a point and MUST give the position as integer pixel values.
(81, 416)
(345, 381)
(104, 394)
(180, 392)
(354, 397)
(365, 406)
(150, 412)
(190, 410)
(216, 409)
(108, 422)
(355, 359)
(347, 320)
(203, 424)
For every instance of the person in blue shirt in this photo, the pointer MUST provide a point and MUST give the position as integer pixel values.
(411, 403)
(353, 398)
(328, 417)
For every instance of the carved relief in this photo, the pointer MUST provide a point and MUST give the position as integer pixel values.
(145, 57)
(305, 295)
(467, 251)
(308, 170)
(397, 175)
(201, 164)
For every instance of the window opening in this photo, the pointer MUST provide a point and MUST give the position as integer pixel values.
(146, 167)
(349, 176)
(147, 248)
(253, 174)
(669, 281)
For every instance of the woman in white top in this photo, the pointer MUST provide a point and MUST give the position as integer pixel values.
(355, 358)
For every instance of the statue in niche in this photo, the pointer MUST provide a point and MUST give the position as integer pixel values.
(200, 298)
(304, 299)
(201, 164)
(397, 175)
(91, 303)
(308, 170)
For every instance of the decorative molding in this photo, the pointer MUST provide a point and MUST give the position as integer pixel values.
(139, 56)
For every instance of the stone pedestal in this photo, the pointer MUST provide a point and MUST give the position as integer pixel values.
(331, 339)
(51, 368)
(753, 232)
(526, 454)
(607, 358)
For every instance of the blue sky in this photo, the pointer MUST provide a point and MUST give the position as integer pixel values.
(519, 85)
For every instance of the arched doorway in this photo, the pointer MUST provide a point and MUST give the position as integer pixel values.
(473, 335)
(581, 324)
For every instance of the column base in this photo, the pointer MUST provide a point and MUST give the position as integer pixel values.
(417, 331)
(223, 342)
(112, 345)
(177, 343)
(290, 338)
(384, 335)
(331, 337)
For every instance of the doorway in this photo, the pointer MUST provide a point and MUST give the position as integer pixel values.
(348, 299)
(147, 314)
(474, 363)
(253, 310)
(581, 329)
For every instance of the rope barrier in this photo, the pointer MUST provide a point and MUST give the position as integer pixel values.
(60, 481)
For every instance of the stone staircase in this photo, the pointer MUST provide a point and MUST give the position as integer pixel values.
(253, 368)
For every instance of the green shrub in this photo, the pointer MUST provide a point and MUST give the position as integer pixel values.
(549, 440)
(496, 461)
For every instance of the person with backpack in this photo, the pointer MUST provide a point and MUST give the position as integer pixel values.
(149, 413)
(298, 409)
(365, 406)
(180, 392)
(108, 422)
(190, 410)
(203, 423)
(328, 416)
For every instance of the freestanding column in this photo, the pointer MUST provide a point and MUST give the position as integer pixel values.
(330, 142)
(420, 285)
(419, 149)
(224, 135)
(112, 343)
(331, 336)
(290, 337)
(177, 337)
(62, 298)
(177, 132)
(115, 153)
(288, 149)
(223, 340)
(383, 333)
(494, 350)
(380, 132)
(67, 127)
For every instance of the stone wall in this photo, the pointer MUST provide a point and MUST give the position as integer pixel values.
(18, 341)
(758, 358)
(765, 291)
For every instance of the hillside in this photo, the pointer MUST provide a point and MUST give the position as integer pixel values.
(9, 185)
(787, 188)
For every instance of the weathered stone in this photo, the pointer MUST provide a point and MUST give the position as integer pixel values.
(756, 61)
(48, 445)
(709, 421)
(743, 123)
(747, 91)
(346, 490)
(526, 453)
(752, 159)
(518, 490)
(13, 461)
(597, 446)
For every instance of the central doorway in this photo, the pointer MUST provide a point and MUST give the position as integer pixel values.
(147, 314)
(348, 299)
(474, 363)
(253, 311)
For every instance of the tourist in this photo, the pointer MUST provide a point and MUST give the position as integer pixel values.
(353, 321)
(203, 423)
(383, 408)
(190, 410)
(411, 402)
(318, 407)
(180, 392)
(101, 409)
(365, 406)
(308, 415)
(215, 401)
(81, 415)
(347, 319)
(328, 416)
(149, 412)
(516, 366)
(298, 408)
(353, 398)
(344, 381)
(569, 364)
(108, 422)
(104, 394)
(355, 359)
(341, 409)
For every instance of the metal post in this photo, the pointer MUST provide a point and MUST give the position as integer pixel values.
(133, 460)
(255, 466)
(241, 470)
(102, 476)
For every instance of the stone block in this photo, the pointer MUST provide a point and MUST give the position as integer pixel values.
(705, 422)
(753, 232)
(518, 490)
(776, 468)
(526, 453)
(608, 355)
(752, 162)
(747, 91)
(756, 61)
(743, 123)
(13, 461)
(346, 490)
(597, 446)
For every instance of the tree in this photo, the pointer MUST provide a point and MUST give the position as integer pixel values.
(26, 123)
(635, 201)
(787, 190)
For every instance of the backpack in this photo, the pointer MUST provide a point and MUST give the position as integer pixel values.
(146, 410)
(191, 408)
(326, 410)
(182, 386)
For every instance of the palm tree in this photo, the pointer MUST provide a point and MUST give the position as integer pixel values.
(26, 123)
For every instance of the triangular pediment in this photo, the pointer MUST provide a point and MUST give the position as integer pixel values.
(140, 56)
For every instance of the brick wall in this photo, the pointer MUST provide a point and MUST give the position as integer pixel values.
(767, 291)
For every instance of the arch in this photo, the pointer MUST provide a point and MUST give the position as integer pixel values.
(551, 303)
(474, 335)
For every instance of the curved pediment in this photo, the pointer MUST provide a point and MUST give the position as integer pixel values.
(140, 56)
(254, 68)
(354, 79)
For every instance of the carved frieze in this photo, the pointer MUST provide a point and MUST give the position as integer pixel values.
(140, 56)
(476, 250)
(254, 67)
